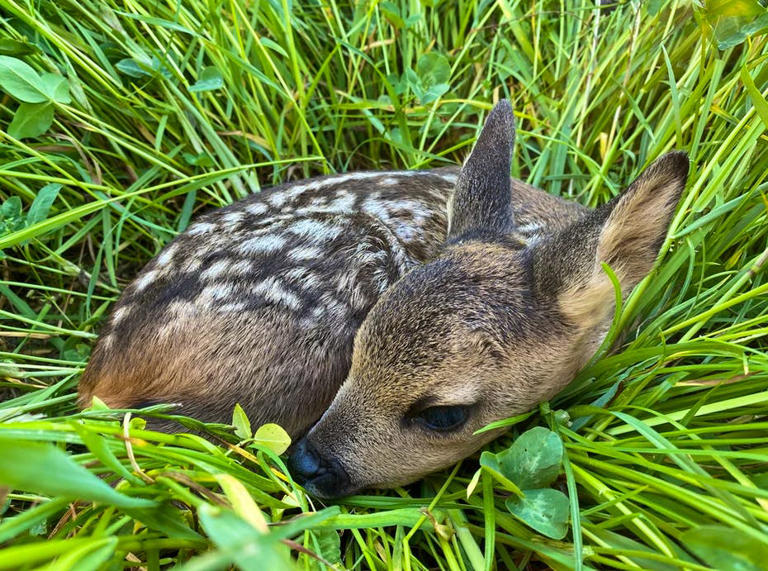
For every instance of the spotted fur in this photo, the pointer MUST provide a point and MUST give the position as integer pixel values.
(258, 303)
(457, 286)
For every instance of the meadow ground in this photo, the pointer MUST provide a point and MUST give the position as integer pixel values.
(122, 119)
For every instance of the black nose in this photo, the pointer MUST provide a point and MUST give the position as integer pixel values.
(321, 476)
(304, 462)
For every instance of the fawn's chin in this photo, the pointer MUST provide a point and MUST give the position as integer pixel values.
(327, 487)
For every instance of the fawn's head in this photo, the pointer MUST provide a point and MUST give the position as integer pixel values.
(487, 330)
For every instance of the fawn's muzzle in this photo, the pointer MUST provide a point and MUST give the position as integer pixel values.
(320, 476)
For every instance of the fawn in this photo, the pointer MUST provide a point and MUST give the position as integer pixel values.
(382, 317)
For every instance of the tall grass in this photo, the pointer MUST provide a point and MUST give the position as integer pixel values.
(179, 107)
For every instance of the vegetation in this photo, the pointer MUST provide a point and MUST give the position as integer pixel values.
(120, 120)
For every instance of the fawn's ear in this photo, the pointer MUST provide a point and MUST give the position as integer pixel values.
(481, 202)
(627, 234)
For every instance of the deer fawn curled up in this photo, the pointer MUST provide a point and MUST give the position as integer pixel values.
(382, 317)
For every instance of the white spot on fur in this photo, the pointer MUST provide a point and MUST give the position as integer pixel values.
(318, 312)
(119, 314)
(234, 307)
(191, 264)
(305, 253)
(532, 240)
(334, 308)
(344, 203)
(144, 281)
(384, 210)
(450, 177)
(232, 218)
(214, 293)
(241, 267)
(303, 278)
(267, 221)
(262, 244)
(216, 270)
(200, 228)
(315, 230)
(277, 199)
(273, 291)
(165, 257)
(531, 228)
(388, 181)
(257, 208)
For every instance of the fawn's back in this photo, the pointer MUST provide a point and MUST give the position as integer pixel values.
(258, 303)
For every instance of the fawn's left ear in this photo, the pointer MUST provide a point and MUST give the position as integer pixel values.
(627, 234)
(481, 203)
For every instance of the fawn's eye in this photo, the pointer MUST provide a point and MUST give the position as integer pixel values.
(442, 418)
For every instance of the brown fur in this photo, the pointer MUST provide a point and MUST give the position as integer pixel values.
(493, 325)
(259, 304)
(168, 347)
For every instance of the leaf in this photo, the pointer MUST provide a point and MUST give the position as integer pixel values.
(22, 463)
(726, 548)
(547, 511)
(760, 103)
(473, 483)
(433, 93)
(430, 80)
(97, 404)
(142, 68)
(392, 13)
(272, 436)
(24, 522)
(26, 555)
(11, 219)
(9, 47)
(241, 423)
(166, 519)
(733, 21)
(129, 67)
(158, 22)
(242, 543)
(198, 160)
(266, 42)
(31, 120)
(98, 446)
(41, 205)
(433, 69)
(327, 544)
(210, 78)
(11, 208)
(21, 81)
(534, 459)
(242, 502)
(653, 6)
(490, 463)
(90, 556)
(56, 87)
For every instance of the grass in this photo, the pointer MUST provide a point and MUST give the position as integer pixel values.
(179, 107)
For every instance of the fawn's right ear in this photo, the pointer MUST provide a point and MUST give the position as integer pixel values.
(627, 234)
(481, 203)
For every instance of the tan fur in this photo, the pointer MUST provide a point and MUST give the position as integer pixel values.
(259, 304)
(494, 325)
(269, 359)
